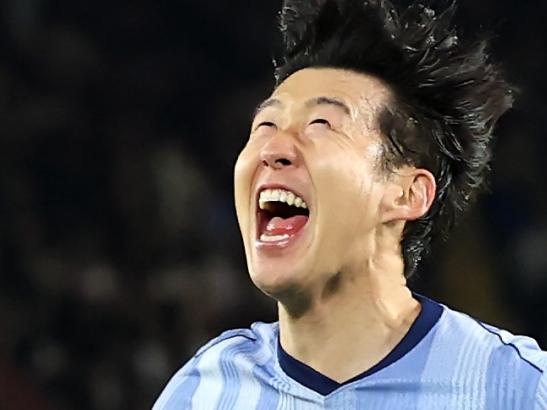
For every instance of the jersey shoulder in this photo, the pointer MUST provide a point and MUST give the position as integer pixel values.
(520, 362)
(490, 339)
(258, 335)
(513, 367)
(207, 366)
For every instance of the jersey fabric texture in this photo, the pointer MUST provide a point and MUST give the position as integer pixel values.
(447, 361)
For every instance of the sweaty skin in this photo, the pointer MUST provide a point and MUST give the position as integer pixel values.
(342, 297)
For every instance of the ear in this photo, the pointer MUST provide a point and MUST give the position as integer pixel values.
(409, 194)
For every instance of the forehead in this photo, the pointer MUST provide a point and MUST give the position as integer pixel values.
(361, 92)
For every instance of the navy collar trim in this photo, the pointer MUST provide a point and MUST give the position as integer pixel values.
(305, 375)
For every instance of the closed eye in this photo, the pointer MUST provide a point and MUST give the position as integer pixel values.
(266, 124)
(320, 121)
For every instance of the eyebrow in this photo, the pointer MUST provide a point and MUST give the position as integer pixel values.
(329, 101)
(273, 102)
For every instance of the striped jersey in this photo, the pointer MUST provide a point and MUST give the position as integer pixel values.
(446, 361)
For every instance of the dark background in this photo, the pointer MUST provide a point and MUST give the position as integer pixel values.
(119, 251)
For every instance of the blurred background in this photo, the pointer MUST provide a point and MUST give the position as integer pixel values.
(120, 254)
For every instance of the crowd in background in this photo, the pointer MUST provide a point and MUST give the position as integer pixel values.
(119, 249)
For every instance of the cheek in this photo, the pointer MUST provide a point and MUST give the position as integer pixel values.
(345, 188)
(339, 169)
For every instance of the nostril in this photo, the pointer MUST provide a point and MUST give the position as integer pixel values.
(277, 163)
(283, 161)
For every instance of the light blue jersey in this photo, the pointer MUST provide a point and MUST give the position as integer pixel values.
(447, 361)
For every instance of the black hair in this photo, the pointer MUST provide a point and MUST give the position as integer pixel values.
(448, 94)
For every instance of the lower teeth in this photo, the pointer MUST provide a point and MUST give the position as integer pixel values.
(273, 238)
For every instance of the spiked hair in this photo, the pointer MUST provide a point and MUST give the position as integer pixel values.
(448, 94)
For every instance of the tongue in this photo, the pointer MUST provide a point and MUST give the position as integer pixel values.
(280, 226)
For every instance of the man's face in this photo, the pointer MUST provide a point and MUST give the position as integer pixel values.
(308, 184)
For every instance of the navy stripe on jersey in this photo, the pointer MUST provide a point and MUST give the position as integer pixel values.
(305, 375)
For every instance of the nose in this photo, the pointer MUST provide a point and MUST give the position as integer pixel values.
(279, 152)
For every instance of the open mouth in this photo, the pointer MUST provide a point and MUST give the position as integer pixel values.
(281, 215)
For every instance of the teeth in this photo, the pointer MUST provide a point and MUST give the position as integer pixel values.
(290, 198)
(273, 238)
(280, 195)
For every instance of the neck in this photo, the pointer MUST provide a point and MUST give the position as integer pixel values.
(347, 331)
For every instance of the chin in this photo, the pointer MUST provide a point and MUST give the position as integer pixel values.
(286, 289)
(275, 282)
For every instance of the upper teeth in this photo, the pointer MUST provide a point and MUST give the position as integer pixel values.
(280, 195)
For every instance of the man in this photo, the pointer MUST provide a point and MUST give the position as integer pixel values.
(374, 141)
